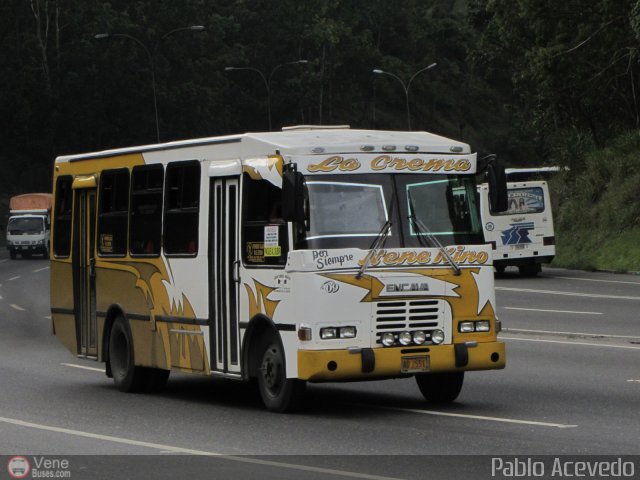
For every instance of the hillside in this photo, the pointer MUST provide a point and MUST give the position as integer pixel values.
(596, 208)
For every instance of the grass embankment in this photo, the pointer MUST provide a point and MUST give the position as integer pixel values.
(597, 208)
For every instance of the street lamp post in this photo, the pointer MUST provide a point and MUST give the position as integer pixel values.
(406, 86)
(266, 80)
(151, 56)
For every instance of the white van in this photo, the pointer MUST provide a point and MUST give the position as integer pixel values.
(523, 235)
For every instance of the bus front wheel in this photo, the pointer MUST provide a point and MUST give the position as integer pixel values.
(126, 375)
(440, 387)
(279, 393)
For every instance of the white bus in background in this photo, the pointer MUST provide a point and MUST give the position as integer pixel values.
(523, 235)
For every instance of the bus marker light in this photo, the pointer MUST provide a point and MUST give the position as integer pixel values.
(387, 339)
(437, 337)
(405, 338)
(419, 337)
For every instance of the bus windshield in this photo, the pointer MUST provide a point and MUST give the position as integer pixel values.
(350, 212)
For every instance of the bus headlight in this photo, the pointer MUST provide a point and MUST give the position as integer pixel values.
(437, 337)
(387, 339)
(419, 337)
(483, 326)
(405, 338)
(466, 327)
(328, 333)
(347, 332)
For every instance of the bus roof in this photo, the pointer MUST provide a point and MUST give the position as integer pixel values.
(302, 140)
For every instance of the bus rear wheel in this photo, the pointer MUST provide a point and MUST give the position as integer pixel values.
(126, 375)
(279, 393)
(530, 270)
(440, 387)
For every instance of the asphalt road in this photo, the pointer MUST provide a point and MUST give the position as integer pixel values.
(571, 387)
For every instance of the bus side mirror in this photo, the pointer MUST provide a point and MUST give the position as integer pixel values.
(294, 199)
(497, 188)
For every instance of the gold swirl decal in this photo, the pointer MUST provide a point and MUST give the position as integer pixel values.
(460, 255)
(331, 163)
(432, 165)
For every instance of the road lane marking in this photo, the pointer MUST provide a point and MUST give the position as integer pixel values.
(584, 344)
(602, 281)
(174, 449)
(465, 415)
(14, 278)
(40, 269)
(551, 311)
(94, 369)
(411, 410)
(48, 317)
(569, 294)
(633, 380)
(5, 260)
(16, 307)
(582, 334)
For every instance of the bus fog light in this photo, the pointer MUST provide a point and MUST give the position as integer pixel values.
(419, 337)
(437, 337)
(328, 333)
(348, 332)
(466, 327)
(483, 326)
(405, 338)
(387, 339)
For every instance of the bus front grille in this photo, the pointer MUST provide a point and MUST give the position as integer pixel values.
(411, 315)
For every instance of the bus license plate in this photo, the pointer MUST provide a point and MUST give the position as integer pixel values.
(415, 364)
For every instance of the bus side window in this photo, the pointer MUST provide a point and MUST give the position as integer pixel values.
(113, 209)
(62, 216)
(182, 208)
(265, 237)
(145, 225)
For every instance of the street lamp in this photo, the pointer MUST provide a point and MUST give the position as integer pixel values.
(266, 80)
(151, 55)
(406, 86)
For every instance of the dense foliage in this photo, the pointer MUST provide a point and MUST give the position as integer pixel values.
(536, 81)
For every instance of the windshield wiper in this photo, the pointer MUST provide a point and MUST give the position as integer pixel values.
(422, 230)
(377, 244)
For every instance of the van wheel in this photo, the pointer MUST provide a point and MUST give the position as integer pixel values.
(279, 393)
(126, 376)
(440, 387)
(13, 254)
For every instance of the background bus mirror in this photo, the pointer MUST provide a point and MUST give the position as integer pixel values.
(293, 198)
(497, 188)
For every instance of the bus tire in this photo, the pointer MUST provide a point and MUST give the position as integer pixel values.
(500, 269)
(440, 387)
(279, 393)
(126, 376)
(530, 270)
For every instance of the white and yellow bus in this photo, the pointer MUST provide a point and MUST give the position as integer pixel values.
(315, 254)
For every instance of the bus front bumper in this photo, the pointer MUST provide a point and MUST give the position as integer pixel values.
(371, 363)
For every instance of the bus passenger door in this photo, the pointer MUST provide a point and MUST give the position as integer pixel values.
(224, 264)
(84, 275)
